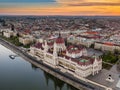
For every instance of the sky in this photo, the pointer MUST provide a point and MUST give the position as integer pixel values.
(60, 7)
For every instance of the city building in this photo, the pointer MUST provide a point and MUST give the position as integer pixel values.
(9, 33)
(83, 40)
(72, 59)
(26, 40)
(107, 46)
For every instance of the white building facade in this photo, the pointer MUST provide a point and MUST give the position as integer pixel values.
(72, 59)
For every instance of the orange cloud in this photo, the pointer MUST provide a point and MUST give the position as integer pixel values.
(89, 2)
(67, 7)
(64, 10)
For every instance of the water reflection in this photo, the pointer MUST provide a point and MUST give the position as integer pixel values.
(19, 74)
(58, 84)
(34, 67)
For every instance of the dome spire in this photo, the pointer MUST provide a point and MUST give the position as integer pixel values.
(59, 34)
(59, 40)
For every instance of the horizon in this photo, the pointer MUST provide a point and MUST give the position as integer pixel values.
(65, 15)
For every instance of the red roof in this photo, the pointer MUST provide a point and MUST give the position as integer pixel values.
(84, 60)
(84, 63)
(108, 43)
(74, 49)
(92, 32)
(59, 40)
(27, 32)
(88, 62)
(39, 45)
(71, 46)
(50, 43)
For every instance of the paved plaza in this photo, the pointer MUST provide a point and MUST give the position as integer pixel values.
(94, 52)
(104, 74)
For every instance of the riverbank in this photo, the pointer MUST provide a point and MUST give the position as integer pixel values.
(75, 82)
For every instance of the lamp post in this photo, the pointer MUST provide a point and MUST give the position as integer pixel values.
(110, 79)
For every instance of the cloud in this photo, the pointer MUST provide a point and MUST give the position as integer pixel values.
(94, 4)
(28, 1)
(89, 2)
(65, 2)
(63, 7)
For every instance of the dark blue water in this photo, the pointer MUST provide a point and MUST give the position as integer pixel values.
(18, 74)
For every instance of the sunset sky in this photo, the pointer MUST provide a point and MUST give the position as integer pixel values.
(60, 7)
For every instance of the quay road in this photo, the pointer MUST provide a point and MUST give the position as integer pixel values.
(75, 82)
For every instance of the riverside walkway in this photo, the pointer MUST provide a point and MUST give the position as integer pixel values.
(81, 83)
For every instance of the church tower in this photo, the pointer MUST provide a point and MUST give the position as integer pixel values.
(95, 65)
(55, 54)
(45, 49)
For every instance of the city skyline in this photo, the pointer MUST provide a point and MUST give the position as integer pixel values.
(60, 7)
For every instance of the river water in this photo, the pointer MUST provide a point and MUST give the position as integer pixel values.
(18, 74)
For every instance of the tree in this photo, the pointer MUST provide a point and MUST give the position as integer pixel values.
(116, 52)
(109, 57)
(92, 45)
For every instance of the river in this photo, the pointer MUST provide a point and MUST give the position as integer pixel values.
(18, 74)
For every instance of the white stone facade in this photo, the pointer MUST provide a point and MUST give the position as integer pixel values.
(26, 40)
(8, 33)
(77, 63)
(107, 46)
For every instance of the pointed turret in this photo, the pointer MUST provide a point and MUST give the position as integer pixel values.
(95, 65)
(45, 47)
(55, 54)
(55, 50)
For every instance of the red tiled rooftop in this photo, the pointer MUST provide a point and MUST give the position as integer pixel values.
(92, 32)
(50, 43)
(74, 49)
(39, 45)
(109, 43)
(59, 40)
(84, 62)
